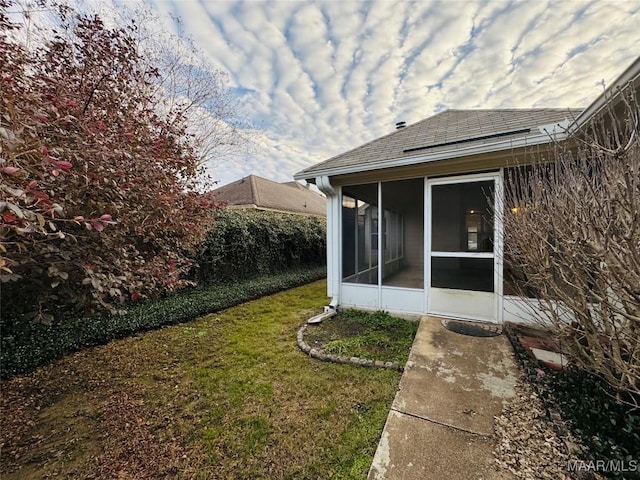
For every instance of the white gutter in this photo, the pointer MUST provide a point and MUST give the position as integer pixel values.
(528, 141)
(325, 186)
(333, 241)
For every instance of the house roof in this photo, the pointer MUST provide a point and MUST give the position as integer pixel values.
(628, 80)
(449, 134)
(257, 192)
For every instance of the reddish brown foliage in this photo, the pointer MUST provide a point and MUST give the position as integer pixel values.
(97, 181)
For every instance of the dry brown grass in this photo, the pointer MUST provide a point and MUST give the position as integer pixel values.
(225, 396)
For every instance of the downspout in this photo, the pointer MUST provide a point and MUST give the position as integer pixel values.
(333, 247)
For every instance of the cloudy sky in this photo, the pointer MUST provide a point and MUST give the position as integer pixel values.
(319, 78)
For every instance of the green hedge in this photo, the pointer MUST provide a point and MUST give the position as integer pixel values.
(247, 243)
(30, 345)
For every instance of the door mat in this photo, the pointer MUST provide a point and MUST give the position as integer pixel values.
(473, 329)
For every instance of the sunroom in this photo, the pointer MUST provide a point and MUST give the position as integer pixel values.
(414, 218)
(390, 261)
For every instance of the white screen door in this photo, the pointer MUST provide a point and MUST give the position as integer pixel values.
(463, 267)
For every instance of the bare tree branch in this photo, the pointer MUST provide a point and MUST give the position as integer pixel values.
(574, 238)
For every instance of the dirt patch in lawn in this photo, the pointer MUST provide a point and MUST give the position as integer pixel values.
(375, 336)
(88, 416)
(226, 396)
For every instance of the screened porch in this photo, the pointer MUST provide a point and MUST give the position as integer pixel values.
(393, 211)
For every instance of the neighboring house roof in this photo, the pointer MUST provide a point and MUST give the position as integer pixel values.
(449, 134)
(257, 192)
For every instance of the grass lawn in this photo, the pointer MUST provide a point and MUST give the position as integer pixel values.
(353, 333)
(225, 396)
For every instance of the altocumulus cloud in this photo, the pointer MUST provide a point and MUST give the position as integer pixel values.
(318, 78)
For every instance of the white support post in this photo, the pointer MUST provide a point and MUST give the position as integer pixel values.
(499, 244)
(333, 237)
(380, 250)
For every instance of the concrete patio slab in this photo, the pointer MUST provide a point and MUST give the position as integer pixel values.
(443, 414)
(412, 449)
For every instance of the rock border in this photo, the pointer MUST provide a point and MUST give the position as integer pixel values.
(319, 354)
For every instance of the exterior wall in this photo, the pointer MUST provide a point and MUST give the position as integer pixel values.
(402, 300)
(364, 296)
(518, 310)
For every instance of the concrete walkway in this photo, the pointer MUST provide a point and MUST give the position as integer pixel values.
(441, 421)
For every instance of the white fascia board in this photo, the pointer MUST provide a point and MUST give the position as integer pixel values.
(503, 145)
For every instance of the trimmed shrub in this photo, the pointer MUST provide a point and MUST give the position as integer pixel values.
(245, 244)
(28, 345)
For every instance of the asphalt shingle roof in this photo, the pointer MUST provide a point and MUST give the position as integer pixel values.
(257, 192)
(447, 131)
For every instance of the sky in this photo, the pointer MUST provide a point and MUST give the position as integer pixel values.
(314, 79)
